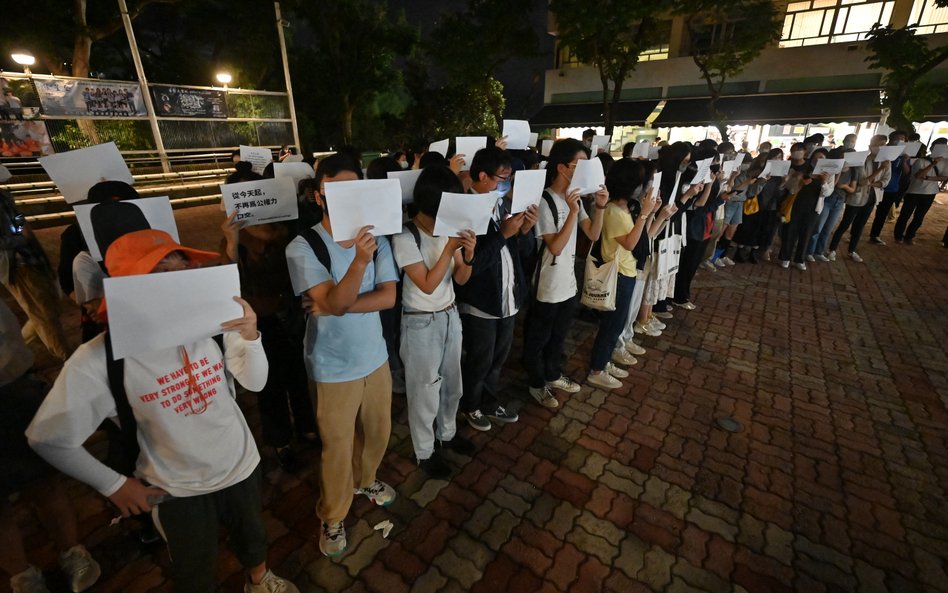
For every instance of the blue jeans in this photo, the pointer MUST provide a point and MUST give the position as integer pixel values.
(611, 324)
(431, 353)
(832, 210)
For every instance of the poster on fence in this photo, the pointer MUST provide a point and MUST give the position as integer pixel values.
(90, 98)
(24, 138)
(177, 101)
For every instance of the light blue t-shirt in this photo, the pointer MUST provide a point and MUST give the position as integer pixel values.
(351, 346)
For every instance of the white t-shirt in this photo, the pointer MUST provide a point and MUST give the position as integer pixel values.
(87, 277)
(406, 254)
(193, 437)
(557, 283)
(921, 186)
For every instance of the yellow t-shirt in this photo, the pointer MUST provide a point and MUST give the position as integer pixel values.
(617, 222)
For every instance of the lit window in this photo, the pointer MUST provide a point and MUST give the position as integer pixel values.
(929, 17)
(817, 22)
(658, 52)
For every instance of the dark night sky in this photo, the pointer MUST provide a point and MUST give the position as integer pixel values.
(522, 78)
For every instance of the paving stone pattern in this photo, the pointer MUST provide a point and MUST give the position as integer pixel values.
(837, 482)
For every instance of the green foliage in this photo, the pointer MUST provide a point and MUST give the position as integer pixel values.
(610, 35)
(905, 59)
(127, 134)
(726, 36)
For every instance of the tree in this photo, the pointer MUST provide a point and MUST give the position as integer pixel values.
(610, 34)
(725, 36)
(354, 53)
(906, 59)
(468, 47)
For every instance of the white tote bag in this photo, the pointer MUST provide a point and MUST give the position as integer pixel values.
(599, 284)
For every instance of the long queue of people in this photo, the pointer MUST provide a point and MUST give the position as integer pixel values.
(330, 329)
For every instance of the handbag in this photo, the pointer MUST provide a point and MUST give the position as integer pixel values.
(786, 207)
(751, 206)
(599, 282)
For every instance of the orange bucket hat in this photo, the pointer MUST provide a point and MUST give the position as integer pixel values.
(139, 252)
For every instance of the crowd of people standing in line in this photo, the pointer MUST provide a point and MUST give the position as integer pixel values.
(331, 329)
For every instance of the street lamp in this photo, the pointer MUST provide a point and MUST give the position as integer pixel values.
(224, 78)
(25, 60)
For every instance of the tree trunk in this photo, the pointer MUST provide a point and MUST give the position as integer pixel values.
(81, 64)
(614, 106)
(607, 116)
(347, 113)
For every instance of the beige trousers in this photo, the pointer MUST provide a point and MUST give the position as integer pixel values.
(35, 291)
(355, 423)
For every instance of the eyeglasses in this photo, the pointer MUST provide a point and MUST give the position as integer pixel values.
(502, 177)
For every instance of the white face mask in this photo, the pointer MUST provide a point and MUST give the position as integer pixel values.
(403, 164)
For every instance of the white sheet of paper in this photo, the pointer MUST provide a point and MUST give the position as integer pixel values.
(604, 141)
(727, 168)
(856, 159)
(261, 201)
(939, 151)
(595, 149)
(462, 212)
(517, 132)
(258, 157)
(545, 147)
(884, 129)
(534, 136)
(704, 170)
(776, 168)
(407, 180)
(297, 171)
(441, 147)
(157, 212)
(587, 176)
(528, 187)
(653, 152)
(640, 150)
(156, 311)
(355, 204)
(75, 171)
(911, 149)
(831, 166)
(739, 160)
(888, 153)
(542, 164)
(656, 182)
(468, 146)
(293, 158)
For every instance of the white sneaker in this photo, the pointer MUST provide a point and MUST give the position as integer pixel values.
(544, 397)
(855, 257)
(654, 323)
(810, 258)
(785, 264)
(634, 348)
(645, 330)
(719, 263)
(332, 539)
(378, 492)
(822, 258)
(603, 380)
(767, 255)
(707, 265)
(28, 581)
(80, 567)
(832, 256)
(801, 266)
(728, 261)
(617, 372)
(564, 383)
(687, 306)
(620, 356)
(271, 583)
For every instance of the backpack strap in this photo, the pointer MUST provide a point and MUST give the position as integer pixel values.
(129, 427)
(318, 246)
(548, 198)
(413, 229)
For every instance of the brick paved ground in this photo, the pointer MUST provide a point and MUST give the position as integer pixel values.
(839, 376)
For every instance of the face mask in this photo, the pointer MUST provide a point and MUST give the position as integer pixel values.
(797, 154)
(403, 164)
(849, 144)
(503, 187)
(682, 167)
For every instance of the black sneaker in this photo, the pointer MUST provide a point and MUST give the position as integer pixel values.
(499, 414)
(458, 444)
(435, 467)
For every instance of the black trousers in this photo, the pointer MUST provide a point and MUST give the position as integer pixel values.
(687, 268)
(544, 332)
(889, 199)
(767, 229)
(485, 346)
(917, 204)
(287, 388)
(856, 218)
(797, 234)
(192, 525)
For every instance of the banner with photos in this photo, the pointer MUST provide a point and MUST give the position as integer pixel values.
(90, 98)
(24, 139)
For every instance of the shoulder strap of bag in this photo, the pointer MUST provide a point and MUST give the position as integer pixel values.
(129, 427)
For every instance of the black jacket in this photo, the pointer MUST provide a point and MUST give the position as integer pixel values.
(484, 290)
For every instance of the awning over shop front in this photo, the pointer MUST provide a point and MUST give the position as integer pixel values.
(791, 108)
(630, 113)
